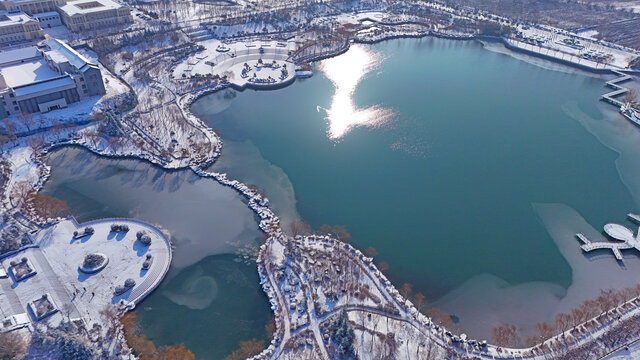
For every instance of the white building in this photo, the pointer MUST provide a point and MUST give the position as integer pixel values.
(17, 27)
(30, 7)
(48, 19)
(40, 80)
(94, 14)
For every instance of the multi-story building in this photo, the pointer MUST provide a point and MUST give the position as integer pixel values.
(40, 80)
(17, 27)
(93, 14)
(48, 19)
(30, 7)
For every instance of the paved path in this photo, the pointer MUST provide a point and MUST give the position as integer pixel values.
(633, 352)
(58, 289)
(14, 301)
(313, 324)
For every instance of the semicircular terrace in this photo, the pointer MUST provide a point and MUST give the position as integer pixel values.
(60, 251)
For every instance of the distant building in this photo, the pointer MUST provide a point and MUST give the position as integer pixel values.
(40, 80)
(94, 14)
(17, 27)
(30, 7)
(48, 19)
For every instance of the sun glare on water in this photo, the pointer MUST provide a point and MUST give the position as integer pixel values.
(346, 71)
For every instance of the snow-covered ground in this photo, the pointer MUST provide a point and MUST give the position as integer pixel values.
(634, 6)
(61, 32)
(582, 50)
(79, 295)
(589, 34)
(630, 352)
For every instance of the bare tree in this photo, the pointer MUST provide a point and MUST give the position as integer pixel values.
(110, 316)
(631, 97)
(562, 322)
(545, 331)
(48, 206)
(406, 290)
(506, 335)
(12, 346)
(420, 301)
(299, 228)
(26, 119)
(21, 193)
(35, 143)
(577, 316)
(371, 252)
(9, 129)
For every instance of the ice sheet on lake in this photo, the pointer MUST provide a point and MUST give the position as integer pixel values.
(243, 160)
(485, 301)
(203, 217)
(620, 135)
(197, 292)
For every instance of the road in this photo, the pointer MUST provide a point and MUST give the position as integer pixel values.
(630, 352)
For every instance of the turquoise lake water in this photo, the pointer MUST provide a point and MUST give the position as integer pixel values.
(444, 179)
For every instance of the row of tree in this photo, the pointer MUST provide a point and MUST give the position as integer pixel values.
(23, 196)
(145, 349)
(599, 307)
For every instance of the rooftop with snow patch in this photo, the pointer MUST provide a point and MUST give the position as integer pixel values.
(88, 6)
(61, 52)
(60, 83)
(14, 55)
(27, 72)
(8, 19)
(26, 66)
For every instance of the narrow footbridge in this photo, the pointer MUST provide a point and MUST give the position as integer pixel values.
(618, 90)
(590, 246)
(623, 237)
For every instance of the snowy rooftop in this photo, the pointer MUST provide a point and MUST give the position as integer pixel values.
(61, 83)
(46, 14)
(88, 6)
(61, 52)
(27, 73)
(8, 19)
(18, 54)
